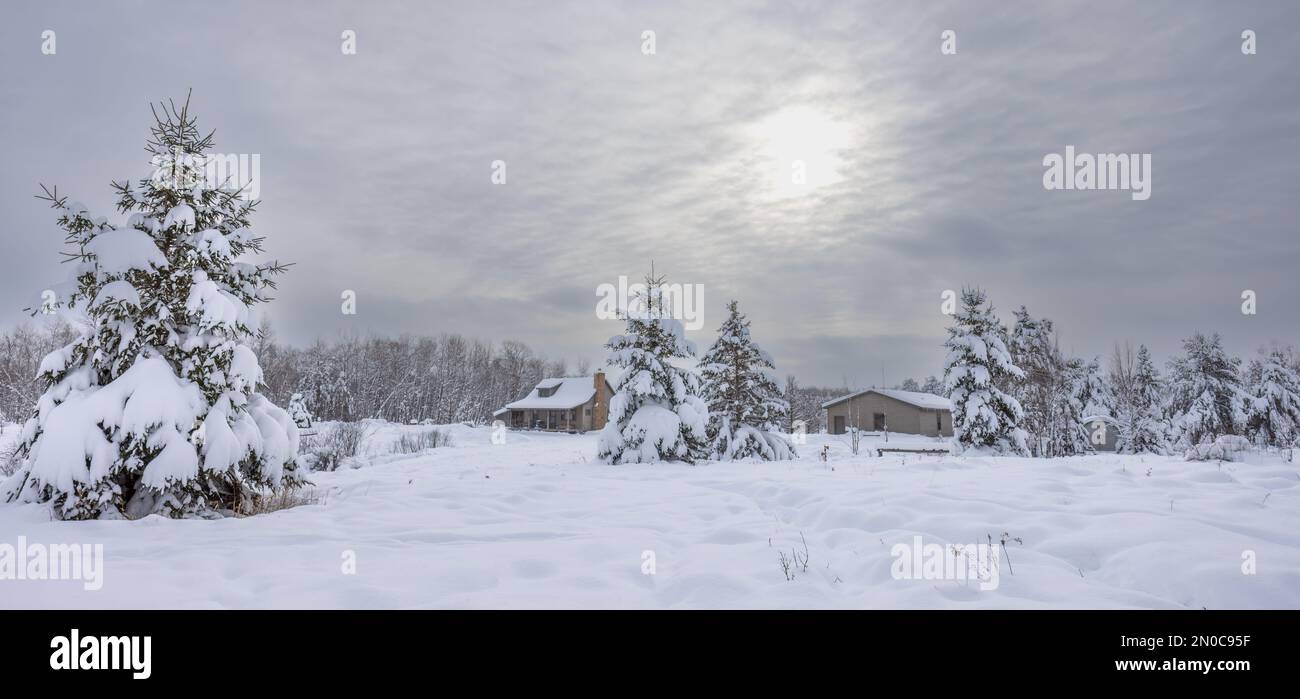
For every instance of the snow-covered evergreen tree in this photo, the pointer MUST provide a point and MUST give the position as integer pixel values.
(1066, 433)
(154, 407)
(1090, 397)
(1141, 426)
(656, 413)
(745, 404)
(984, 417)
(1092, 391)
(1206, 398)
(1032, 349)
(1273, 411)
(934, 386)
(298, 411)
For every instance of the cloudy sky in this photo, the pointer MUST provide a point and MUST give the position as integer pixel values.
(923, 170)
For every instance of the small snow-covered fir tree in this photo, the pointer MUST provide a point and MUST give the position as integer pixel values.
(1092, 391)
(298, 411)
(1141, 426)
(745, 403)
(1090, 397)
(1033, 349)
(1206, 399)
(1273, 411)
(934, 386)
(154, 407)
(656, 413)
(984, 417)
(1066, 433)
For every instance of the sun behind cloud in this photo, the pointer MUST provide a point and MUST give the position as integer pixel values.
(799, 150)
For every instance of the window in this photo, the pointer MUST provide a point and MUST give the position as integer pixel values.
(879, 422)
(938, 422)
(547, 391)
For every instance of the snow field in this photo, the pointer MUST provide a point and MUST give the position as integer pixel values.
(536, 522)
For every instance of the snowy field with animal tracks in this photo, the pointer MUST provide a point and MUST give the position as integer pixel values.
(536, 523)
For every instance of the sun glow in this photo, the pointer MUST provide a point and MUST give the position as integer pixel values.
(800, 149)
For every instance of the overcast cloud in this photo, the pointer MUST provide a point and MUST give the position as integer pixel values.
(927, 176)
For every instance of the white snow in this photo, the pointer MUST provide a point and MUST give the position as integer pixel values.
(118, 251)
(181, 214)
(120, 290)
(147, 400)
(215, 306)
(536, 522)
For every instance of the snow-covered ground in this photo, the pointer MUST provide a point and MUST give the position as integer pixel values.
(535, 523)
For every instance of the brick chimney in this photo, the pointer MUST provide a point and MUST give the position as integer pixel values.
(600, 411)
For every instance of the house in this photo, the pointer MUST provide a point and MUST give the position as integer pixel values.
(1103, 431)
(890, 410)
(569, 404)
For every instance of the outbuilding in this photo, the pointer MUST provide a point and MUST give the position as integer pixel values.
(890, 410)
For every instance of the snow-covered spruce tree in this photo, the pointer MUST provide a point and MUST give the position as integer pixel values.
(1092, 391)
(154, 407)
(1206, 399)
(1141, 426)
(984, 417)
(1070, 434)
(934, 386)
(1273, 411)
(1090, 397)
(298, 411)
(745, 403)
(656, 413)
(1032, 349)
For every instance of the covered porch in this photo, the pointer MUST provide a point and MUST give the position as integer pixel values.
(545, 419)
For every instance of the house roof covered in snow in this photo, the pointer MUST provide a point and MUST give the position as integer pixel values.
(929, 401)
(556, 394)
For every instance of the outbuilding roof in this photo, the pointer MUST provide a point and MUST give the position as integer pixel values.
(929, 401)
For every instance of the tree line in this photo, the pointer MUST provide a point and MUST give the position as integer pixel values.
(1015, 391)
(1201, 394)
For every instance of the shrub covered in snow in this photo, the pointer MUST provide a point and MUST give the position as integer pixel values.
(1225, 448)
(656, 413)
(745, 403)
(414, 442)
(335, 446)
(154, 408)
